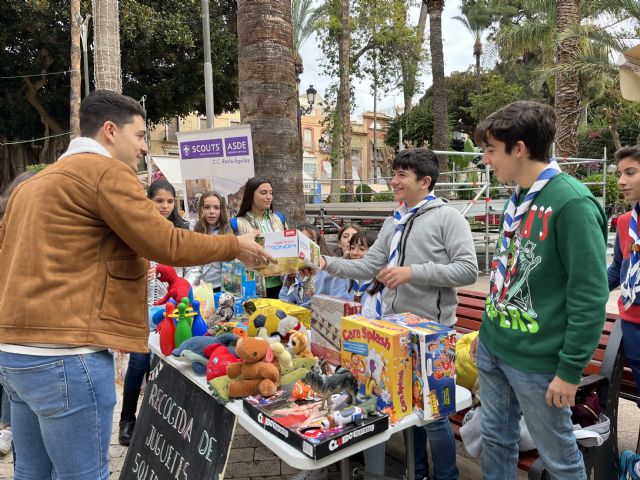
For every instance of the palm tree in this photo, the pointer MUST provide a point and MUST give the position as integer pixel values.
(476, 17)
(305, 20)
(551, 32)
(567, 93)
(440, 133)
(268, 98)
(75, 80)
(106, 43)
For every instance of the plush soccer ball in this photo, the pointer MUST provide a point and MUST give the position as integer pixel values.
(267, 318)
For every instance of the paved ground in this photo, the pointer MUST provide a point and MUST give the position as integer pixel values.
(628, 427)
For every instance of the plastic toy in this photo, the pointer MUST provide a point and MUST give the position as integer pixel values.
(256, 374)
(325, 386)
(198, 326)
(178, 288)
(167, 331)
(183, 329)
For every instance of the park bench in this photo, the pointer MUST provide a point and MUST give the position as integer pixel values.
(606, 371)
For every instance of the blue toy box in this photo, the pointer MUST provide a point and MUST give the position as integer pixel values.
(433, 362)
(238, 280)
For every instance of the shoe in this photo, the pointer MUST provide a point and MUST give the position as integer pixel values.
(320, 474)
(6, 439)
(126, 432)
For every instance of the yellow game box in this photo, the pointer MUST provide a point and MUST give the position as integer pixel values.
(292, 249)
(377, 352)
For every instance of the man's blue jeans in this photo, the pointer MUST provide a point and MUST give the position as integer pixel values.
(507, 393)
(61, 414)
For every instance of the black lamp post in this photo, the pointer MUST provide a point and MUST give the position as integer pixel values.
(311, 99)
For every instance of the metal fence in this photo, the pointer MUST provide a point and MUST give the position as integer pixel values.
(468, 196)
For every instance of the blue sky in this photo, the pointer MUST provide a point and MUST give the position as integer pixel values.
(458, 55)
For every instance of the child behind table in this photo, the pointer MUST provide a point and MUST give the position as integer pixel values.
(366, 292)
(213, 219)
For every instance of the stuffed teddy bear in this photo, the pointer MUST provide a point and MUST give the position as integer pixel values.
(256, 374)
(178, 288)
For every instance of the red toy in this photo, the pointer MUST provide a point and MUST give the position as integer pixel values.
(167, 331)
(178, 288)
(219, 358)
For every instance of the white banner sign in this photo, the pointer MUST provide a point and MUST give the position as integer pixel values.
(218, 159)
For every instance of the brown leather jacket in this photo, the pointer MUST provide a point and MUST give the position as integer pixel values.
(73, 248)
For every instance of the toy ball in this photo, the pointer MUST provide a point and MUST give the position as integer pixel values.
(267, 318)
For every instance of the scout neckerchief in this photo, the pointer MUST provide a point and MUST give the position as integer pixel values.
(297, 288)
(629, 287)
(505, 258)
(400, 219)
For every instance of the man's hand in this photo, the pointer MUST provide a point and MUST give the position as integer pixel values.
(561, 393)
(252, 254)
(395, 276)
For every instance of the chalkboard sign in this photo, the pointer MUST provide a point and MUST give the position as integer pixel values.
(181, 433)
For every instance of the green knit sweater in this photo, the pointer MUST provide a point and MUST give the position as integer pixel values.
(556, 303)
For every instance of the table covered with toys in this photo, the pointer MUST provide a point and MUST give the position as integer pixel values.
(314, 385)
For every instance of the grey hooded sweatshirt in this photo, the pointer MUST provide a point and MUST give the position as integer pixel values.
(438, 245)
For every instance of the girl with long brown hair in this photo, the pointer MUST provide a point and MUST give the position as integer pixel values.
(213, 219)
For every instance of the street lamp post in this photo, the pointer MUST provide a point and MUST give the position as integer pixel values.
(84, 38)
(311, 99)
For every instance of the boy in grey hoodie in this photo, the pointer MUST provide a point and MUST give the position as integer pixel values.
(424, 251)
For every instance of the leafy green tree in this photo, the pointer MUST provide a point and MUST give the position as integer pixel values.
(162, 59)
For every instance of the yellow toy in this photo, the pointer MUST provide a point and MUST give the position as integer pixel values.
(466, 369)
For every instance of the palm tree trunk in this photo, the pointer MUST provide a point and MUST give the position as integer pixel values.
(106, 43)
(76, 79)
(477, 52)
(410, 66)
(567, 94)
(440, 130)
(345, 46)
(268, 99)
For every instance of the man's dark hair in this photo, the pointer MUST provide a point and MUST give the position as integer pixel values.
(422, 161)
(628, 152)
(532, 123)
(104, 105)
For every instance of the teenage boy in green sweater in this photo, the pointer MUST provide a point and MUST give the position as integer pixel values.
(548, 290)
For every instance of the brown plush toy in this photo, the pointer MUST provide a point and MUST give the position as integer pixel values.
(256, 373)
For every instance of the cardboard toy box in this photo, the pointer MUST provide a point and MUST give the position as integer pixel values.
(326, 318)
(238, 280)
(294, 423)
(433, 358)
(292, 249)
(377, 352)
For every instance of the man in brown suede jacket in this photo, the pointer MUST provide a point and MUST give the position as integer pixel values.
(74, 248)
